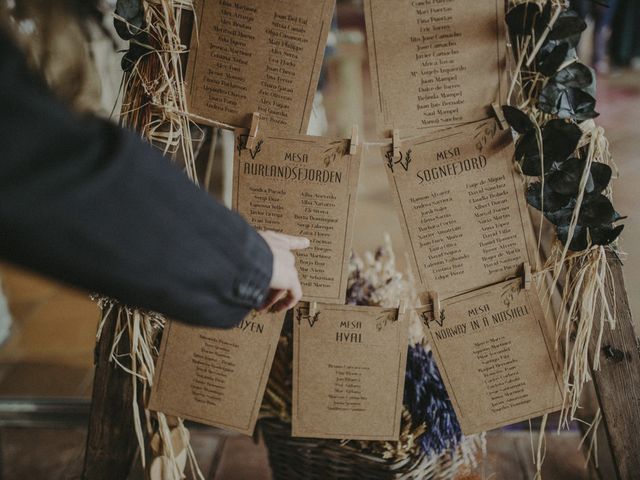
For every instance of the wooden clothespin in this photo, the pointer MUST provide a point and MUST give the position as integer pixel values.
(499, 114)
(396, 143)
(355, 140)
(313, 308)
(526, 276)
(402, 308)
(253, 131)
(435, 301)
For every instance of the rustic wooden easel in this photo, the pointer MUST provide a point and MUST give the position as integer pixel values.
(111, 442)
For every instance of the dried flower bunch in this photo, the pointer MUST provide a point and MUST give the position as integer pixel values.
(427, 401)
(566, 160)
(559, 92)
(374, 281)
(429, 425)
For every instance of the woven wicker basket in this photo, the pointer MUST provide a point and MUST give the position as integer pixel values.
(315, 459)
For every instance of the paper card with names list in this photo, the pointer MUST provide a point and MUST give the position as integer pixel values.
(348, 372)
(435, 63)
(216, 376)
(462, 207)
(259, 56)
(306, 186)
(495, 355)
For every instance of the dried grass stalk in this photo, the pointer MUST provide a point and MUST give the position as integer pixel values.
(580, 278)
(153, 94)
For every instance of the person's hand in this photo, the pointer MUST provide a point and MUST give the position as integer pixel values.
(285, 286)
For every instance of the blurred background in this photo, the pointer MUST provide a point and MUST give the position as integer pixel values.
(47, 331)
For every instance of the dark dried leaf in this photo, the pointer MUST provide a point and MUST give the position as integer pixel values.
(605, 234)
(550, 97)
(597, 210)
(576, 75)
(560, 217)
(517, 119)
(565, 102)
(551, 201)
(544, 18)
(521, 19)
(567, 25)
(527, 146)
(129, 18)
(560, 139)
(533, 195)
(131, 57)
(531, 166)
(566, 178)
(129, 9)
(601, 174)
(579, 239)
(617, 217)
(576, 104)
(528, 153)
(549, 65)
(549, 45)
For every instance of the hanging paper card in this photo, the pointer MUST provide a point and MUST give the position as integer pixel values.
(496, 360)
(348, 372)
(462, 208)
(215, 376)
(435, 64)
(257, 56)
(306, 186)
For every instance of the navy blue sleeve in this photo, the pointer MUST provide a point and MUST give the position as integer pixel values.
(92, 205)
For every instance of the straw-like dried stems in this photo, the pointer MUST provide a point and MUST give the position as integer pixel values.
(153, 95)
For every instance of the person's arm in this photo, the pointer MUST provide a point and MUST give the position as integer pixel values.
(85, 202)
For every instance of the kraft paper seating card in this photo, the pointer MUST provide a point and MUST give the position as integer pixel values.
(348, 372)
(302, 185)
(216, 376)
(435, 64)
(495, 356)
(259, 56)
(462, 208)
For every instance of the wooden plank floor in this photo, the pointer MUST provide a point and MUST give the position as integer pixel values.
(56, 454)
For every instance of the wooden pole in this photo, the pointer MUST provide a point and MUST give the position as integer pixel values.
(617, 383)
(111, 440)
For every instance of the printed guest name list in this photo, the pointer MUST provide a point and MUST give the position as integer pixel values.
(257, 56)
(461, 207)
(303, 186)
(348, 372)
(435, 63)
(216, 376)
(495, 357)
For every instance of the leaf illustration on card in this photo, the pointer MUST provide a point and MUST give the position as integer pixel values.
(302, 313)
(336, 150)
(241, 144)
(509, 292)
(484, 134)
(385, 319)
(404, 160)
(427, 317)
(254, 152)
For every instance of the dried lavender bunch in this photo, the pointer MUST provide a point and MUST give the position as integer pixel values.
(428, 403)
(374, 280)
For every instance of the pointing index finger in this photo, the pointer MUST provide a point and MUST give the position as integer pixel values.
(295, 243)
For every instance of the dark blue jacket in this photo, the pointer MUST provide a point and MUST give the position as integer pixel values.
(92, 205)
